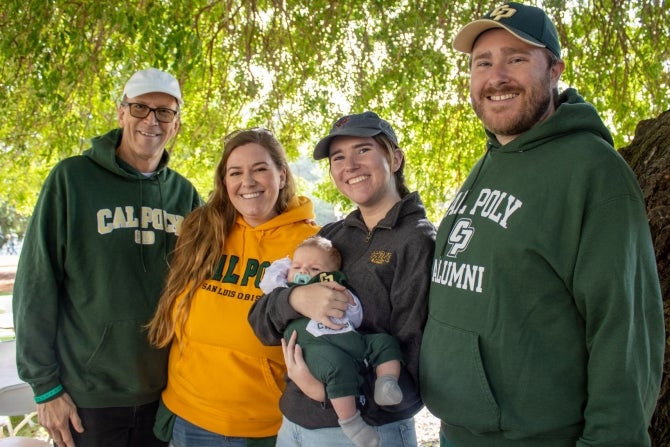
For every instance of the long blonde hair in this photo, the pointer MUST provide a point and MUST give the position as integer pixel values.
(202, 237)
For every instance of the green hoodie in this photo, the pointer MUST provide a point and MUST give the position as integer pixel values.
(545, 323)
(90, 273)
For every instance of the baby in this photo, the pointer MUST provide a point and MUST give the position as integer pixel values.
(337, 356)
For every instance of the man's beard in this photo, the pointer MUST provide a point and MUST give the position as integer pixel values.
(535, 110)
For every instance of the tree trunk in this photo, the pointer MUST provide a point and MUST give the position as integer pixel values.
(649, 157)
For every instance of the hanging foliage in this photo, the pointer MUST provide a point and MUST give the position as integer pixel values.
(295, 67)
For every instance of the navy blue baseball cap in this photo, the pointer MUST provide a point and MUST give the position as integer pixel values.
(528, 23)
(366, 124)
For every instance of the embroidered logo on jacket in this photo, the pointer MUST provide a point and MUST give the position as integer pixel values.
(380, 257)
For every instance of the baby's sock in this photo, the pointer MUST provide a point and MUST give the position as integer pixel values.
(387, 391)
(359, 432)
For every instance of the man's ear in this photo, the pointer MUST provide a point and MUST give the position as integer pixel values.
(120, 111)
(556, 72)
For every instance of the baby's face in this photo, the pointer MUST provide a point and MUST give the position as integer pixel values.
(310, 261)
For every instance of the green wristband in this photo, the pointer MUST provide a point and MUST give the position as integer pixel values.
(49, 394)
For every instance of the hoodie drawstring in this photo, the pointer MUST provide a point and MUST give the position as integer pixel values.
(164, 232)
(141, 233)
(157, 178)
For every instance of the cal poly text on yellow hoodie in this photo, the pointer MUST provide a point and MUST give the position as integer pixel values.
(220, 376)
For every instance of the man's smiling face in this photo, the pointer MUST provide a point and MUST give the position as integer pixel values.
(145, 138)
(511, 83)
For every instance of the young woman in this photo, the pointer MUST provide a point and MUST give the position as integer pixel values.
(223, 384)
(386, 246)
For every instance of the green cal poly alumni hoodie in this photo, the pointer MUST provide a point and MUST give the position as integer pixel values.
(545, 322)
(90, 273)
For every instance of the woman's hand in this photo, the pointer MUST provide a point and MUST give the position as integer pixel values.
(320, 301)
(298, 371)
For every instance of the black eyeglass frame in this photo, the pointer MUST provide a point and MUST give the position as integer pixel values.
(133, 110)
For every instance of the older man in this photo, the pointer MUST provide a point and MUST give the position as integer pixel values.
(92, 269)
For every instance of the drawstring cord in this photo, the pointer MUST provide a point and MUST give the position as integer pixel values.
(157, 177)
(140, 230)
(164, 232)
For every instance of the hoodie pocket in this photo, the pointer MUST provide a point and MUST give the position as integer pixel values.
(124, 361)
(454, 385)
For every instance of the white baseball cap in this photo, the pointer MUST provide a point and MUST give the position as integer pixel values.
(152, 80)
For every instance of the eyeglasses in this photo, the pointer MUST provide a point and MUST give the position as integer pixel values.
(163, 114)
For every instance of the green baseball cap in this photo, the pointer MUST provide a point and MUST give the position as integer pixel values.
(366, 124)
(528, 23)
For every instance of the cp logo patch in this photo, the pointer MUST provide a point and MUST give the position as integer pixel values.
(460, 236)
(502, 12)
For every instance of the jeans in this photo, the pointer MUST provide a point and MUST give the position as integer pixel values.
(395, 434)
(117, 427)
(185, 434)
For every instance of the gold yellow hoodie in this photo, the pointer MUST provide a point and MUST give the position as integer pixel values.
(220, 376)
